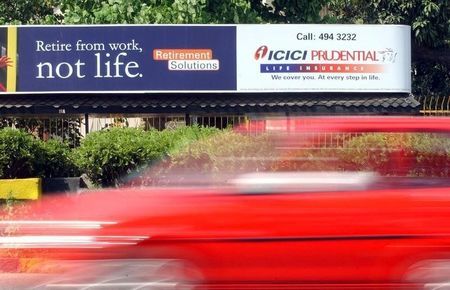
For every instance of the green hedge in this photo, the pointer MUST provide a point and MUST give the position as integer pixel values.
(403, 154)
(105, 156)
(226, 152)
(55, 159)
(108, 156)
(22, 156)
(399, 153)
(18, 150)
(390, 154)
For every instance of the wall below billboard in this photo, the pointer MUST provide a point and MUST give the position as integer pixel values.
(206, 58)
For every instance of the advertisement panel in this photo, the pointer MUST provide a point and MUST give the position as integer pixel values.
(328, 58)
(204, 58)
(126, 58)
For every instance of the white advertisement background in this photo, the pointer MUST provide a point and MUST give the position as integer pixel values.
(396, 76)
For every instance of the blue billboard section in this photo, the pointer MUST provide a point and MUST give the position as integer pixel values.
(126, 58)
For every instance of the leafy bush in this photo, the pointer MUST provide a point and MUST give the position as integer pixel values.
(17, 153)
(107, 156)
(399, 153)
(22, 155)
(226, 152)
(392, 154)
(55, 160)
(179, 139)
(310, 159)
(385, 153)
(432, 155)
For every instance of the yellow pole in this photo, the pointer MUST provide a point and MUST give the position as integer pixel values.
(11, 71)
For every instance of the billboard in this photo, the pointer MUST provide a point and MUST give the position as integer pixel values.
(328, 58)
(205, 58)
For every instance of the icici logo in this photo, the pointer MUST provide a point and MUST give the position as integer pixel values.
(261, 52)
(279, 55)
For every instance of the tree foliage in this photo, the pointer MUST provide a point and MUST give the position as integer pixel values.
(430, 24)
(154, 11)
(25, 11)
(429, 20)
(291, 11)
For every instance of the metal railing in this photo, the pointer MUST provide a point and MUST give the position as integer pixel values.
(68, 129)
(72, 129)
(435, 105)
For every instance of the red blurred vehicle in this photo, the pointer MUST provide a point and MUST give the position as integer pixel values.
(270, 230)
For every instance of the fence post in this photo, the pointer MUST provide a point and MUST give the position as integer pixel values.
(86, 123)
